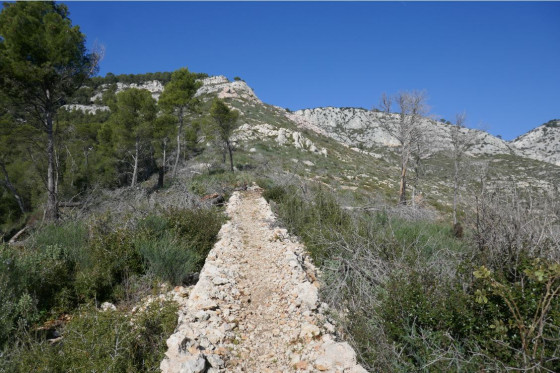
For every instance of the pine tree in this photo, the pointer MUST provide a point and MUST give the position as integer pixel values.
(133, 122)
(225, 120)
(43, 60)
(178, 98)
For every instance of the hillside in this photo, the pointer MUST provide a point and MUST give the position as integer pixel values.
(362, 156)
(175, 222)
(331, 176)
(542, 143)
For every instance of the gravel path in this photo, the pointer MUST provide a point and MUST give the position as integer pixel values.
(255, 307)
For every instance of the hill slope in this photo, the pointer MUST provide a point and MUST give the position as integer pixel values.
(542, 143)
(348, 149)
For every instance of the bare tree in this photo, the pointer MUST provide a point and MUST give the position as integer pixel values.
(405, 129)
(460, 142)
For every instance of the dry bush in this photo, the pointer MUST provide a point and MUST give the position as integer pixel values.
(510, 226)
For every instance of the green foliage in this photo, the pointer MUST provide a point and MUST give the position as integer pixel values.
(133, 126)
(411, 298)
(225, 122)
(41, 51)
(523, 312)
(65, 265)
(169, 257)
(316, 221)
(176, 245)
(178, 94)
(96, 340)
(553, 123)
(198, 227)
(163, 77)
(274, 193)
(224, 118)
(43, 61)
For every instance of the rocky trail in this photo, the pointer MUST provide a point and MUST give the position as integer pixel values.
(255, 307)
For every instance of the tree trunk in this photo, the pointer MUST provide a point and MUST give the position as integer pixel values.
(230, 155)
(51, 213)
(135, 171)
(455, 187)
(402, 188)
(11, 188)
(164, 161)
(161, 175)
(179, 131)
(404, 165)
(162, 168)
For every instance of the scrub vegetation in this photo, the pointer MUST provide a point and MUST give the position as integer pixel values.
(119, 204)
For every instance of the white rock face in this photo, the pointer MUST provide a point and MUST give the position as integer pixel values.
(226, 89)
(353, 126)
(541, 143)
(219, 85)
(282, 136)
(89, 109)
(154, 86)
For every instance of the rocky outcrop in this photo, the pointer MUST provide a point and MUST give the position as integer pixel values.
(88, 109)
(541, 143)
(355, 126)
(223, 88)
(214, 85)
(282, 136)
(255, 307)
(154, 86)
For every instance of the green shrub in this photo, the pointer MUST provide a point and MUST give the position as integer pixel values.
(64, 266)
(168, 257)
(112, 258)
(522, 313)
(95, 341)
(274, 193)
(70, 236)
(198, 228)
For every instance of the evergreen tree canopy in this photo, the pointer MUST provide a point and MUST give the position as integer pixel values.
(178, 98)
(134, 124)
(224, 118)
(43, 60)
(225, 121)
(180, 91)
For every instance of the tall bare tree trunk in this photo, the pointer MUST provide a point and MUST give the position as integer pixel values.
(230, 155)
(179, 131)
(402, 188)
(135, 171)
(455, 187)
(12, 188)
(164, 161)
(51, 213)
(163, 167)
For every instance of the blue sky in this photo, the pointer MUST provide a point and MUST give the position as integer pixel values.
(499, 62)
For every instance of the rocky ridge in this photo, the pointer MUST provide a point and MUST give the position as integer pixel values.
(541, 143)
(255, 307)
(218, 85)
(355, 126)
(223, 88)
(282, 136)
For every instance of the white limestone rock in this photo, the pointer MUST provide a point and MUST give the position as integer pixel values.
(541, 143)
(353, 126)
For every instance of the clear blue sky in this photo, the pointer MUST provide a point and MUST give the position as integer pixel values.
(500, 62)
